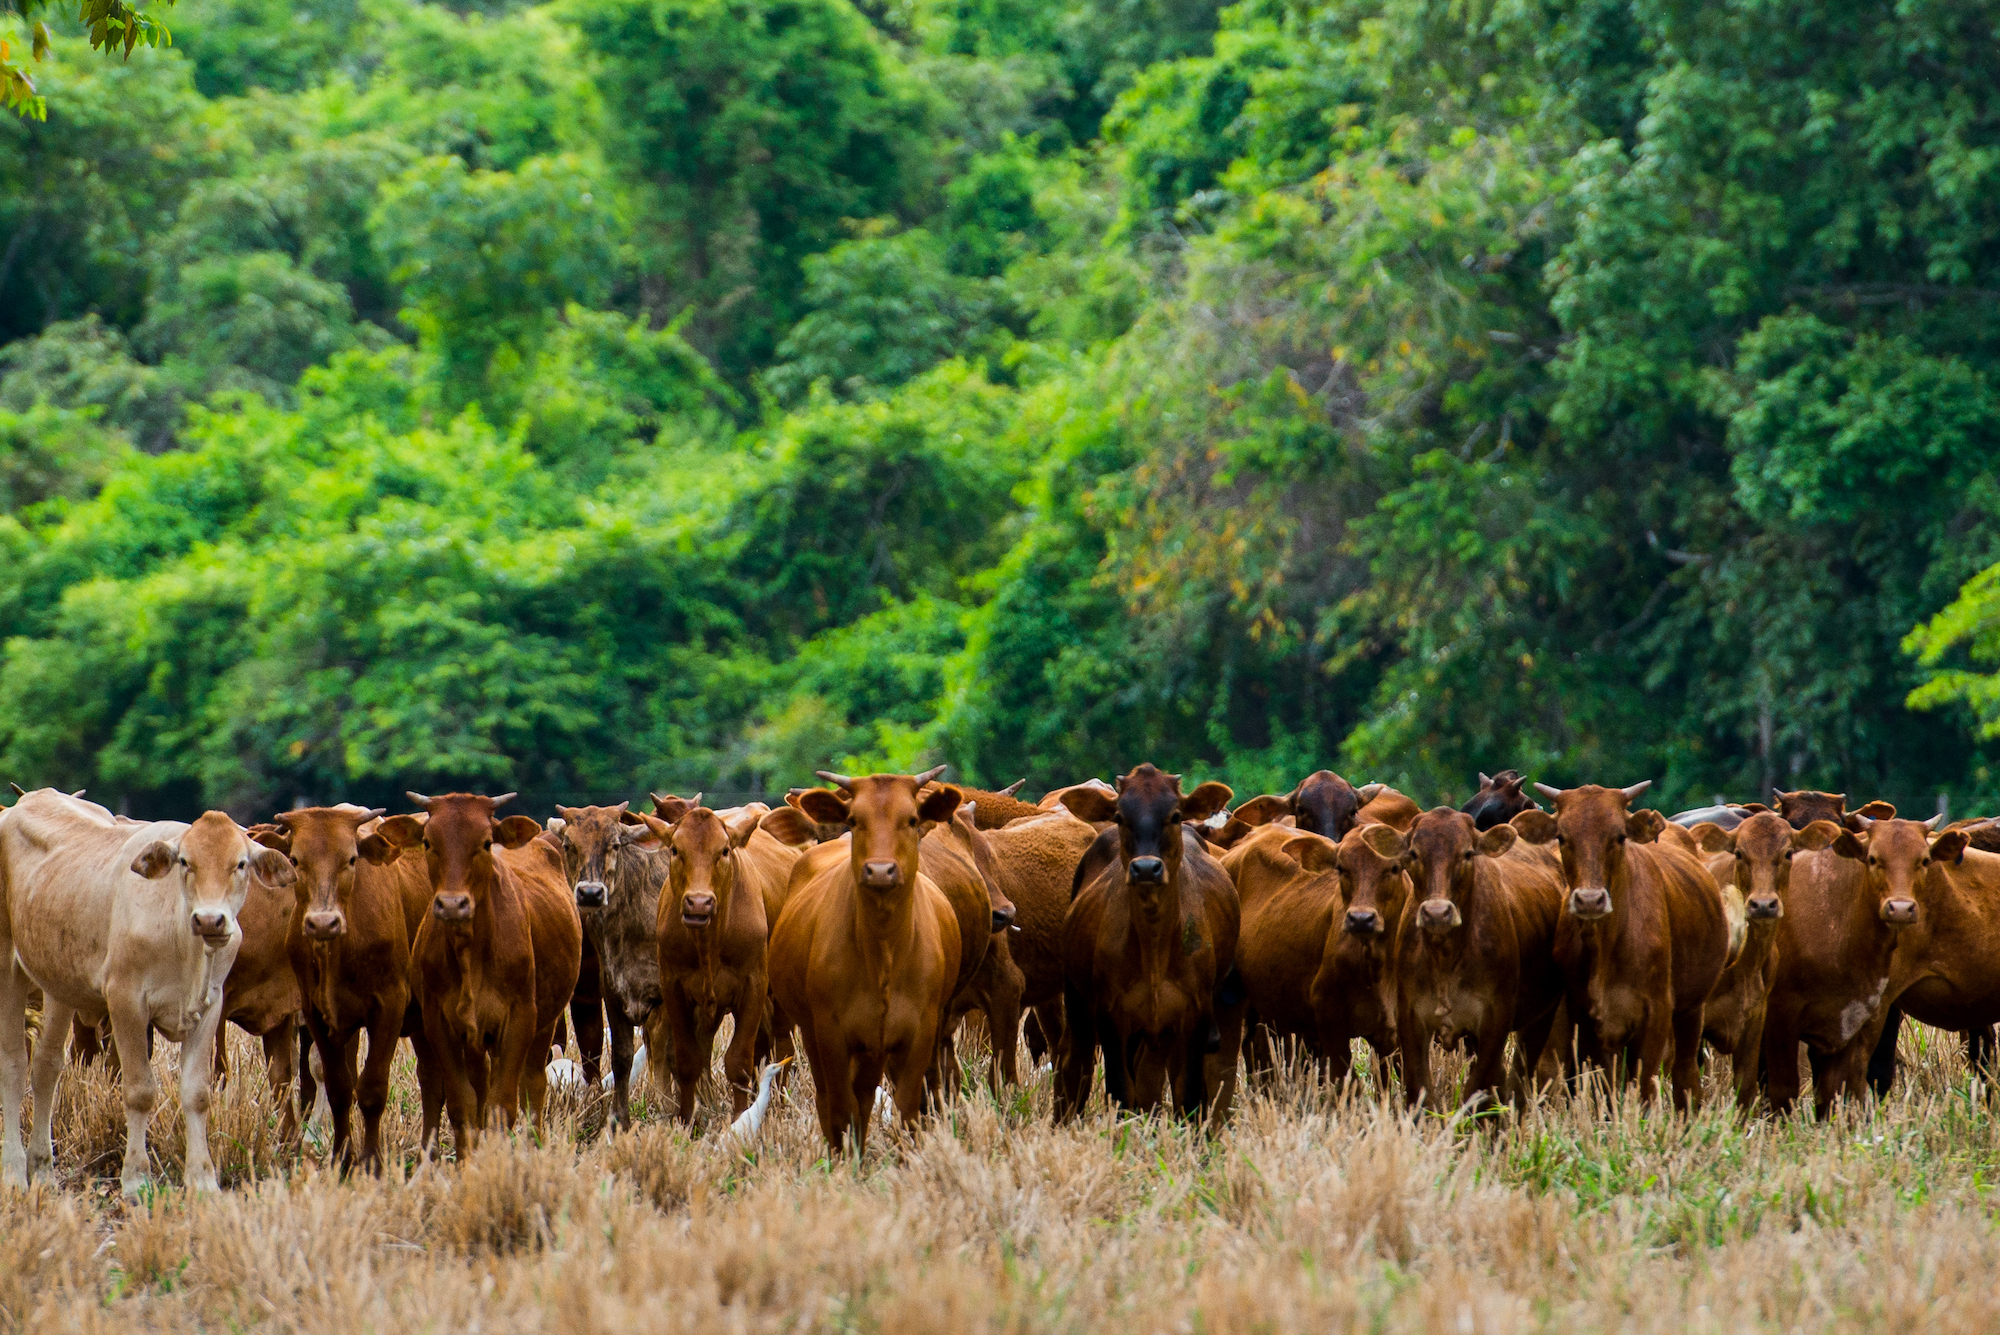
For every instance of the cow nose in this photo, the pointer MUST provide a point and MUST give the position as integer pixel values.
(1003, 918)
(324, 925)
(881, 875)
(1363, 922)
(1438, 913)
(452, 908)
(590, 894)
(1590, 903)
(1147, 871)
(211, 924)
(1899, 912)
(696, 910)
(1762, 906)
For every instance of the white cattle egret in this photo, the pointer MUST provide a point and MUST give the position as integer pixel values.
(745, 1128)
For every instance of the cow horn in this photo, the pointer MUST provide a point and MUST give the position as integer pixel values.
(1934, 822)
(658, 797)
(19, 791)
(1012, 788)
(418, 798)
(1636, 789)
(374, 813)
(1485, 780)
(504, 799)
(929, 774)
(694, 801)
(1548, 792)
(837, 780)
(79, 792)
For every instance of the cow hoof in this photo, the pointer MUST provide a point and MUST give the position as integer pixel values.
(14, 1173)
(133, 1186)
(40, 1162)
(203, 1183)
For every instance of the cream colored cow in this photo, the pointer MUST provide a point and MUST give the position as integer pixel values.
(136, 919)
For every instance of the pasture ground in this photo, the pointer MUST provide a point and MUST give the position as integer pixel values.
(1314, 1210)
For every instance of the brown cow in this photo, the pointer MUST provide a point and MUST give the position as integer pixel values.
(993, 986)
(615, 867)
(1322, 803)
(1034, 862)
(865, 955)
(1318, 943)
(1947, 964)
(261, 994)
(1752, 863)
(495, 962)
(1802, 808)
(1642, 937)
(1477, 957)
(1500, 798)
(1837, 945)
(714, 943)
(996, 810)
(348, 944)
(1147, 947)
(1388, 807)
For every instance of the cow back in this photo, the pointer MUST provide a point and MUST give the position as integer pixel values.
(953, 871)
(555, 930)
(1035, 861)
(1693, 920)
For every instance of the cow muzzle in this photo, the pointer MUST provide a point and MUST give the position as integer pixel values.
(452, 908)
(1146, 871)
(590, 894)
(211, 925)
(1899, 912)
(324, 925)
(1590, 904)
(1763, 908)
(881, 875)
(697, 910)
(1363, 922)
(1438, 915)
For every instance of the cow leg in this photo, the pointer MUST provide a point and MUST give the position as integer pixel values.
(739, 1060)
(827, 1064)
(1979, 1052)
(689, 1054)
(1415, 1041)
(84, 1045)
(1193, 1091)
(534, 1079)
(1782, 1081)
(1489, 1064)
(130, 1032)
(219, 1075)
(44, 1067)
(587, 1018)
(278, 1065)
(1744, 1059)
(707, 1023)
(1079, 1060)
(14, 986)
(308, 1087)
(1003, 1030)
(621, 1064)
(197, 1097)
(1219, 1067)
(1882, 1057)
(1687, 1058)
(338, 1057)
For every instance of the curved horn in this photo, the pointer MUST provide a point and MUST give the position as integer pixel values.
(79, 792)
(658, 797)
(694, 801)
(1548, 792)
(929, 774)
(1635, 789)
(504, 799)
(374, 813)
(837, 780)
(1012, 788)
(19, 791)
(418, 798)
(1935, 822)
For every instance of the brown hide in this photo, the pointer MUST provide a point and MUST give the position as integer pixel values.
(1477, 955)
(1317, 947)
(1642, 938)
(348, 946)
(865, 954)
(994, 987)
(1388, 807)
(1947, 964)
(1034, 863)
(1322, 803)
(1146, 945)
(1846, 909)
(496, 961)
(261, 994)
(1805, 806)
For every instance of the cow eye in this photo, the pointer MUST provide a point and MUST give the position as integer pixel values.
(351, 859)
(241, 863)
(913, 820)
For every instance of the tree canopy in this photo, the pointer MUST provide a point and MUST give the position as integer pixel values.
(608, 394)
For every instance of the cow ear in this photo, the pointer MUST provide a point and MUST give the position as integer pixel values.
(1496, 841)
(516, 831)
(153, 861)
(1205, 801)
(1848, 846)
(1820, 834)
(402, 831)
(1311, 852)
(378, 850)
(648, 833)
(823, 805)
(1643, 827)
(1229, 835)
(271, 867)
(1368, 792)
(1263, 810)
(741, 829)
(1091, 804)
(1876, 810)
(791, 827)
(939, 805)
(270, 836)
(1755, 808)
(1712, 838)
(1949, 847)
(1385, 842)
(1537, 827)
(670, 808)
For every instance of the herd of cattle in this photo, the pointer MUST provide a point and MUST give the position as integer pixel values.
(1157, 929)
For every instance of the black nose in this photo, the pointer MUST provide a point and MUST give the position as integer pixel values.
(590, 894)
(211, 924)
(1148, 870)
(452, 908)
(1003, 918)
(1362, 920)
(1761, 908)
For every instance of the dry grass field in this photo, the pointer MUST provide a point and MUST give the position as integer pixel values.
(1315, 1209)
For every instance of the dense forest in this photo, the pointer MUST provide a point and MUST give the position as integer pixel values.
(610, 394)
